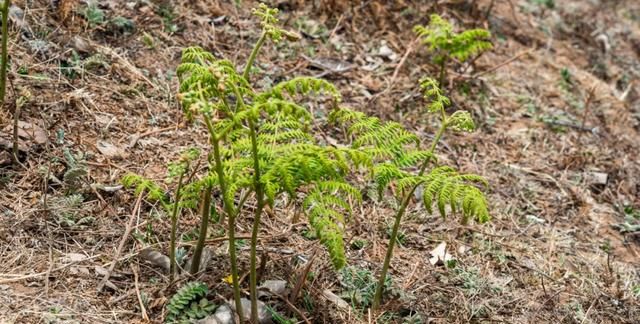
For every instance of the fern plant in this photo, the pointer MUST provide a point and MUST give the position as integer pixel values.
(263, 147)
(189, 304)
(446, 44)
(400, 161)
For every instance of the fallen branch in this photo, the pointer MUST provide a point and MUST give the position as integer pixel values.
(135, 282)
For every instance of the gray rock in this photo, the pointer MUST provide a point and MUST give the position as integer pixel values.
(277, 287)
(206, 256)
(264, 316)
(223, 315)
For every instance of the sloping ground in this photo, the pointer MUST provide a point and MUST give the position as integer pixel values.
(557, 102)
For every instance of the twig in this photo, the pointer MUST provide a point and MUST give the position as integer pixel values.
(293, 308)
(569, 124)
(335, 29)
(587, 104)
(301, 279)
(36, 275)
(135, 282)
(586, 314)
(514, 58)
(392, 82)
(127, 231)
(121, 297)
(16, 118)
(4, 59)
(126, 63)
(136, 138)
(46, 224)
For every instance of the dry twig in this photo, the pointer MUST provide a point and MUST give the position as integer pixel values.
(127, 231)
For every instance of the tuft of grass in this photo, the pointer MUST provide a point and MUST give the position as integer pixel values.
(360, 285)
(93, 15)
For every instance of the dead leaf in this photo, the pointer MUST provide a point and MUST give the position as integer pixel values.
(156, 258)
(73, 257)
(109, 150)
(439, 255)
(28, 132)
(330, 296)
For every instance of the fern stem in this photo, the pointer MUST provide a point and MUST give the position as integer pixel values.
(174, 226)
(204, 224)
(231, 217)
(403, 207)
(4, 59)
(253, 277)
(443, 66)
(256, 221)
(254, 54)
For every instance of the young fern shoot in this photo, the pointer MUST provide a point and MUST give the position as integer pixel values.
(398, 159)
(156, 193)
(445, 44)
(262, 144)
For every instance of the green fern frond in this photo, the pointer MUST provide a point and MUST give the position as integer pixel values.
(442, 40)
(433, 93)
(341, 188)
(301, 86)
(142, 185)
(390, 134)
(269, 21)
(275, 106)
(347, 116)
(325, 216)
(197, 54)
(448, 187)
(413, 158)
(384, 174)
(461, 121)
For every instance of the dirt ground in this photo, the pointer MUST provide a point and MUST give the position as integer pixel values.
(557, 103)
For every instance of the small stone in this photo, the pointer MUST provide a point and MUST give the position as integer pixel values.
(386, 51)
(264, 317)
(341, 303)
(208, 320)
(277, 287)
(596, 178)
(81, 45)
(206, 256)
(156, 258)
(224, 315)
(109, 150)
(533, 219)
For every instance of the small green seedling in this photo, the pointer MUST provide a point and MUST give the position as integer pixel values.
(189, 304)
(447, 45)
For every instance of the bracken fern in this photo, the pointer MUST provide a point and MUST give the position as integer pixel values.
(398, 161)
(263, 145)
(446, 44)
